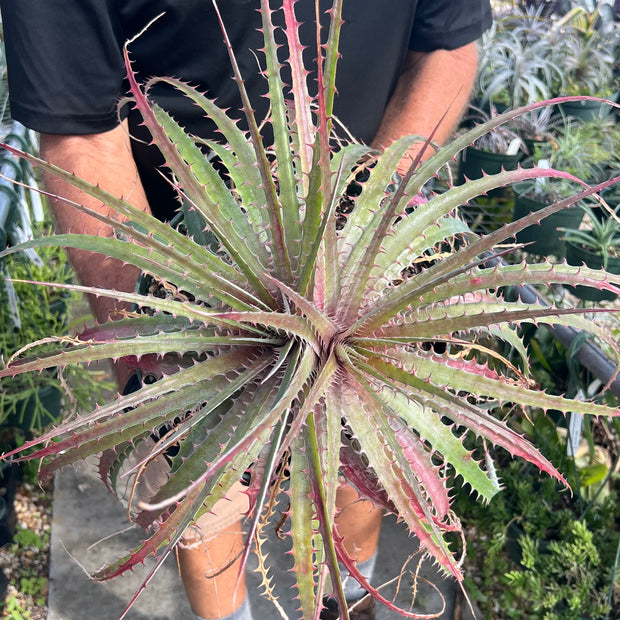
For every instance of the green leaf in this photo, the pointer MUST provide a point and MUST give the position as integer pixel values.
(302, 515)
(400, 251)
(367, 226)
(429, 426)
(236, 153)
(288, 216)
(378, 443)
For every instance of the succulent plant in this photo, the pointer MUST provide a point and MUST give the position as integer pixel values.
(585, 150)
(333, 342)
(515, 67)
(504, 140)
(537, 126)
(586, 54)
(601, 237)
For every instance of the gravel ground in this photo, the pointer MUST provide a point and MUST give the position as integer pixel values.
(25, 562)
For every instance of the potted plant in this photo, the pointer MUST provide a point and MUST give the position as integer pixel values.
(493, 152)
(576, 148)
(544, 238)
(536, 128)
(489, 154)
(319, 341)
(597, 246)
(515, 66)
(587, 55)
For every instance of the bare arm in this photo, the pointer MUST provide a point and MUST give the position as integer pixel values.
(430, 85)
(103, 159)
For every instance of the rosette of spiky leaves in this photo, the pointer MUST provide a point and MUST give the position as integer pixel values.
(330, 349)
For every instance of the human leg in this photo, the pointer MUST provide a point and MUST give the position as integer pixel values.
(359, 523)
(209, 556)
(210, 573)
(209, 551)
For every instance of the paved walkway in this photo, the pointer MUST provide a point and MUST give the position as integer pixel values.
(85, 512)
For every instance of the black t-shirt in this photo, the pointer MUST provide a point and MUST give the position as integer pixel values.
(66, 73)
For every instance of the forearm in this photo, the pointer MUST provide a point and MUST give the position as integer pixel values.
(431, 85)
(104, 159)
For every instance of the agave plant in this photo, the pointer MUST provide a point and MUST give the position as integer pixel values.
(331, 343)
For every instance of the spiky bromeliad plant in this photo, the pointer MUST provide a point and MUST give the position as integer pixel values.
(299, 346)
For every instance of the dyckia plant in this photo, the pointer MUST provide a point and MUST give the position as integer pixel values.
(308, 340)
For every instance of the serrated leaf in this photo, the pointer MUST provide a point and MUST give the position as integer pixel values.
(302, 515)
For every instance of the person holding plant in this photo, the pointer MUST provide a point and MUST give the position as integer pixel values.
(406, 70)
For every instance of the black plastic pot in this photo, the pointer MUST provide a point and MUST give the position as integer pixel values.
(578, 255)
(476, 162)
(489, 212)
(586, 110)
(10, 474)
(545, 238)
(24, 418)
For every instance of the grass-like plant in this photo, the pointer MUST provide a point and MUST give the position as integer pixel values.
(541, 553)
(31, 402)
(337, 344)
(26, 315)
